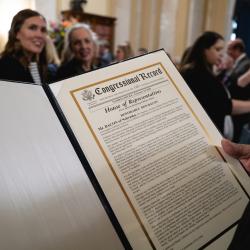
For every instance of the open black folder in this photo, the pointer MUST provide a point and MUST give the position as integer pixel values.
(121, 157)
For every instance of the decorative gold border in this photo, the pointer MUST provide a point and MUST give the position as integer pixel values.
(205, 130)
(72, 93)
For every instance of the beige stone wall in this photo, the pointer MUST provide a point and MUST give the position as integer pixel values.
(218, 16)
(123, 23)
(193, 17)
(168, 24)
(195, 20)
(100, 7)
(143, 22)
(216, 12)
(181, 34)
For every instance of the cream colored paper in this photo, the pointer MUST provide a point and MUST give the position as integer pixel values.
(155, 153)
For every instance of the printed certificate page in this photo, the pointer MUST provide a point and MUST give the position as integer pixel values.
(156, 154)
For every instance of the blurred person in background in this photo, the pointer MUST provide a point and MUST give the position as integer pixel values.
(236, 49)
(184, 57)
(241, 63)
(141, 51)
(206, 52)
(24, 57)
(79, 52)
(52, 58)
(244, 80)
(123, 52)
(105, 55)
(224, 68)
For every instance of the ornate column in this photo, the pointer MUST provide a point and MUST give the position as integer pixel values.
(145, 23)
(123, 14)
(196, 20)
(181, 33)
(210, 15)
(168, 30)
(152, 28)
(135, 23)
(219, 16)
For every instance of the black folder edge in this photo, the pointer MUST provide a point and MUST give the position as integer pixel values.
(87, 167)
(105, 203)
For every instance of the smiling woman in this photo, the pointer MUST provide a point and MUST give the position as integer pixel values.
(25, 52)
(79, 51)
(32, 35)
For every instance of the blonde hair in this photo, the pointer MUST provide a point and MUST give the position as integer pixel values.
(51, 52)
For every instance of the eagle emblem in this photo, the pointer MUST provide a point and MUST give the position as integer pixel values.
(87, 95)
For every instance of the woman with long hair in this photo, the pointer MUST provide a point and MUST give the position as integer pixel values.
(206, 52)
(24, 56)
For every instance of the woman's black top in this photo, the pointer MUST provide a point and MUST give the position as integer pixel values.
(210, 93)
(11, 69)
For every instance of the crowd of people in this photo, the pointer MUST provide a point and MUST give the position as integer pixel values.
(214, 78)
(219, 81)
(31, 54)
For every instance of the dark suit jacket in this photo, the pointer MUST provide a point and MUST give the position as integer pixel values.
(12, 70)
(239, 93)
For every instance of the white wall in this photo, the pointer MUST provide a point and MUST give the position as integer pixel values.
(8, 10)
(196, 19)
(168, 25)
(47, 8)
(122, 29)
